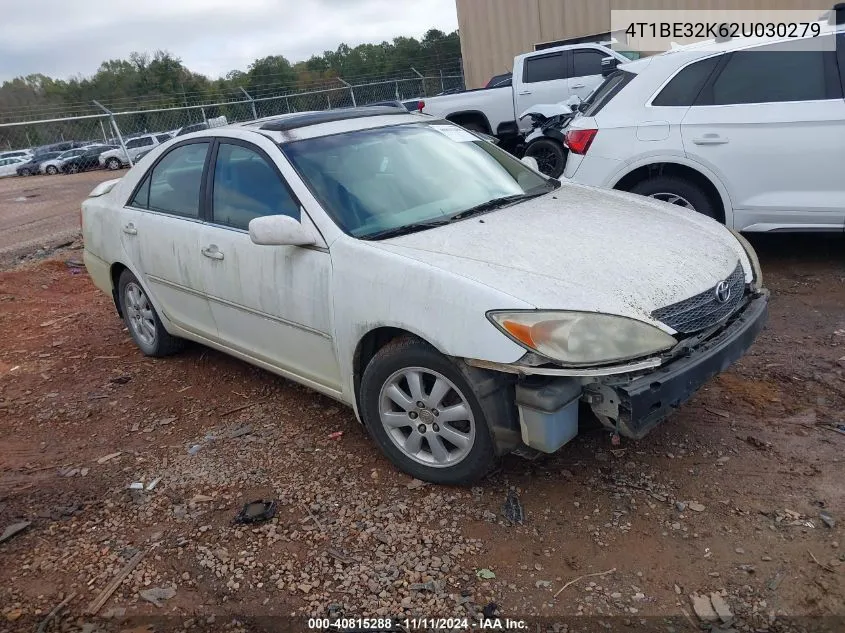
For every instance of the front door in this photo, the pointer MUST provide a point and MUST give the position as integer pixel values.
(160, 233)
(586, 71)
(269, 302)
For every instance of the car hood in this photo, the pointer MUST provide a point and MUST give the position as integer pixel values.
(582, 248)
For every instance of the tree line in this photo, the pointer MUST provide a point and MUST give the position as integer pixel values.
(161, 79)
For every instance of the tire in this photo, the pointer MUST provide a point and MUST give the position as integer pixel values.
(677, 191)
(148, 333)
(25, 172)
(434, 459)
(113, 164)
(550, 156)
(52, 170)
(73, 168)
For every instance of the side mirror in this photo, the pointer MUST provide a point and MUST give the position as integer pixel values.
(279, 230)
(608, 65)
(531, 162)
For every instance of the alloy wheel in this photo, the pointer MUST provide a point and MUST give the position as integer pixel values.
(140, 314)
(427, 417)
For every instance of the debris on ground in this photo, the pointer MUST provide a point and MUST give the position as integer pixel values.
(109, 457)
(695, 506)
(256, 512)
(240, 431)
(13, 530)
(485, 574)
(414, 484)
(703, 608)
(336, 435)
(512, 508)
(827, 519)
(157, 595)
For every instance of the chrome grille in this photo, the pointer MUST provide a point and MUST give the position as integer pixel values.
(703, 310)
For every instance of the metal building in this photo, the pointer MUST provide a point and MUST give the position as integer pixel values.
(493, 31)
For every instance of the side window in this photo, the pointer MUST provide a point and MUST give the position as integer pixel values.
(775, 73)
(163, 138)
(141, 199)
(544, 68)
(176, 180)
(683, 88)
(246, 186)
(587, 62)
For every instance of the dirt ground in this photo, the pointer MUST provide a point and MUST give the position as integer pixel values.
(740, 494)
(42, 211)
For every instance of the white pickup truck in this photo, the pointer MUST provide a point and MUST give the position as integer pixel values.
(550, 75)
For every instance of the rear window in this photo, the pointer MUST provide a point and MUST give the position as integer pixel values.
(683, 88)
(607, 90)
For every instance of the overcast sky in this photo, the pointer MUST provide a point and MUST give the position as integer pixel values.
(63, 39)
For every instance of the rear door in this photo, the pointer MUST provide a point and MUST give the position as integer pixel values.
(160, 233)
(770, 122)
(543, 79)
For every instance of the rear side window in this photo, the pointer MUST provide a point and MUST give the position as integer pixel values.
(587, 62)
(683, 88)
(613, 83)
(139, 142)
(544, 68)
(775, 73)
(173, 187)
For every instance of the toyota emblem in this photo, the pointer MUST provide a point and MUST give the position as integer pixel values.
(723, 292)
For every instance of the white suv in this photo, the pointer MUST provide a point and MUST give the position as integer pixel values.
(116, 158)
(750, 132)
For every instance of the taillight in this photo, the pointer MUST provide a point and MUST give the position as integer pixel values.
(579, 141)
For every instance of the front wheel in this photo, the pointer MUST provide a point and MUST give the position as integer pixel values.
(25, 172)
(424, 414)
(550, 156)
(677, 191)
(113, 164)
(52, 170)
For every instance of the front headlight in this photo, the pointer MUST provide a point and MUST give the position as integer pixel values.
(757, 282)
(582, 338)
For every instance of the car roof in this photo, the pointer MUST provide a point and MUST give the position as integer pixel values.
(301, 125)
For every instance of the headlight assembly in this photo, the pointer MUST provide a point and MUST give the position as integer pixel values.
(581, 338)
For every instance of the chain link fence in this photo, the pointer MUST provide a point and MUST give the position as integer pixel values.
(114, 139)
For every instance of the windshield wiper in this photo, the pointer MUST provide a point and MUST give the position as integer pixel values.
(497, 203)
(405, 229)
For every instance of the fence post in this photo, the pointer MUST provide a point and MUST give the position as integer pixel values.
(351, 92)
(28, 141)
(103, 130)
(287, 103)
(204, 118)
(397, 90)
(442, 85)
(252, 103)
(329, 99)
(422, 81)
(116, 130)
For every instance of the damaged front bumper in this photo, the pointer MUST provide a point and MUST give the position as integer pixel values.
(630, 399)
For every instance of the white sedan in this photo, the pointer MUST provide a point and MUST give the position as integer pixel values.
(461, 302)
(9, 166)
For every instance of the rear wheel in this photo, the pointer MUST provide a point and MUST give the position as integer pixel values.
(677, 191)
(25, 172)
(424, 414)
(142, 320)
(113, 164)
(73, 168)
(52, 170)
(549, 155)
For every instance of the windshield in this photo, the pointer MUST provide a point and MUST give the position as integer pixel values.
(375, 181)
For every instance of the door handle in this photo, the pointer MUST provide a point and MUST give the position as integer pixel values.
(524, 92)
(577, 86)
(212, 252)
(130, 229)
(710, 139)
